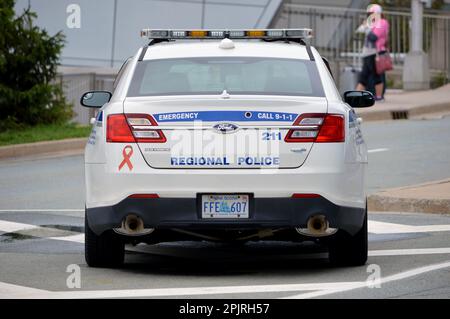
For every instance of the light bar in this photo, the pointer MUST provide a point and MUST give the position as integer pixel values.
(232, 34)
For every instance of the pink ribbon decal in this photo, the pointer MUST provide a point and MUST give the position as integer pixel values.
(127, 152)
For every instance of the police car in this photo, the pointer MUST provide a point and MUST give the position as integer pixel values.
(225, 136)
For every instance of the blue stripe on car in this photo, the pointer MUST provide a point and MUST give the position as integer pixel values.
(241, 116)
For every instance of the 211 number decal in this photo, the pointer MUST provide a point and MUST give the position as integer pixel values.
(271, 136)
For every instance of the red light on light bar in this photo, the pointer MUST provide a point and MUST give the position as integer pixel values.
(144, 196)
(296, 195)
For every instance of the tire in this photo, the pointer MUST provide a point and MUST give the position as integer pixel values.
(106, 250)
(346, 250)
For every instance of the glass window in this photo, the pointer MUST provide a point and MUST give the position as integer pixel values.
(236, 75)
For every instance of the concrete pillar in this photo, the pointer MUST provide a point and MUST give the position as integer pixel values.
(416, 26)
(416, 70)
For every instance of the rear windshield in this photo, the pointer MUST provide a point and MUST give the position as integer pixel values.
(236, 75)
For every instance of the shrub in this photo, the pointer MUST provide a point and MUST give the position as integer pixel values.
(28, 63)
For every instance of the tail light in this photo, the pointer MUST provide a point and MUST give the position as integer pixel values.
(130, 128)
(299, 195)
(317, 128)
(146, 196)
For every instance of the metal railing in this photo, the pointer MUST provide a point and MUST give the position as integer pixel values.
(336, 39)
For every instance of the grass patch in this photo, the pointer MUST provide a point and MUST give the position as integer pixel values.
(43, 133)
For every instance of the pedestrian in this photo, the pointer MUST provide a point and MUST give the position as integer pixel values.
(376, 30)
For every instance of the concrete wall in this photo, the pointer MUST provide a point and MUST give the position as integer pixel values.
(109, 30)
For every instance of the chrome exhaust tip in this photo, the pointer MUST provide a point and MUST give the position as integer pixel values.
(317, 226)
(133, 225)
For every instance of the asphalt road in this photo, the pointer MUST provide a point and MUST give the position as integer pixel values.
(413, 262)
(41, 225)
(407, 152)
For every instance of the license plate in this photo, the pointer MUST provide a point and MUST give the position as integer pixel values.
(225, 206)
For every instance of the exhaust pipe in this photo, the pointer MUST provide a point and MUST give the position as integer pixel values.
(317, 226)
(133, 225)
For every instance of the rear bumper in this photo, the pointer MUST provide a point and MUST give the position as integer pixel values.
(184, 213)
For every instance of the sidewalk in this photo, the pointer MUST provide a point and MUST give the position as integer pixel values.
(432, 197)
(405, 105)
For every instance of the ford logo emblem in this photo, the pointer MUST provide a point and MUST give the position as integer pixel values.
(225, 127)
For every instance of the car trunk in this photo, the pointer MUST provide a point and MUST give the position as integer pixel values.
(227, 133)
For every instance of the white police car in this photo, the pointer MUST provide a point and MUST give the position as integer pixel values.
(234, 135)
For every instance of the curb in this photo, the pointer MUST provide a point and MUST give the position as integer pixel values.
(430, 197)
(396, 204)
(39, 148)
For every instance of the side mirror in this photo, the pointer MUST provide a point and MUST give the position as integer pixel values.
(359, 98)
(95, 99)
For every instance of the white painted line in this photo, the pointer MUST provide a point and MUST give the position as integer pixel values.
(356, 285)
(378, 150)
(43, 210)
(376, 227)
(11, 227)
(171, 292)
(15, 291)
(78, 238)
(407, 252)
(317, 289)
(11, 291)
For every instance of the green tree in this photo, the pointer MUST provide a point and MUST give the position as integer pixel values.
(28, 62)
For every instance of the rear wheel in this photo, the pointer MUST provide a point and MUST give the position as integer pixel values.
(106, 250)
(347, 250)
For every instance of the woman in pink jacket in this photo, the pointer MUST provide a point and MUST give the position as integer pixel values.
(376, 30)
